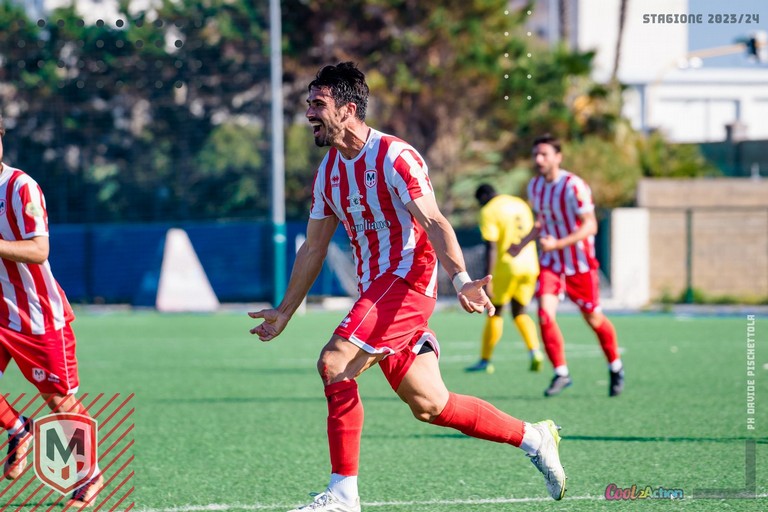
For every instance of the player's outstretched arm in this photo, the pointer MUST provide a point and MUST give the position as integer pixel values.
(470, 293)
(515, 249)
(587, 228)
(309, 262)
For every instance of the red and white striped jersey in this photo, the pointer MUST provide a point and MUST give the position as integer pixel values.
(368, 194)
(32, 301)
(557, 206)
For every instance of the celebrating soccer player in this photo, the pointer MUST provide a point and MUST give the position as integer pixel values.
(563, 205)
(378, 187)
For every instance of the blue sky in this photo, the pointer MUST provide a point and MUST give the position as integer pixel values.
(713, 35)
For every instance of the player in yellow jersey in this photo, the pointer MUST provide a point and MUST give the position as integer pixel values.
(504, 221)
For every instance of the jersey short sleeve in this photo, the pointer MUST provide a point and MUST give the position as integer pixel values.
(411, 176)
(580, 196)
(28, 205)
(489, 228)
(529, 195)
(320, 208)
(524, 220)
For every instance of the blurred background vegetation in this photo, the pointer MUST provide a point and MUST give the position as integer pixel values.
(166, 117)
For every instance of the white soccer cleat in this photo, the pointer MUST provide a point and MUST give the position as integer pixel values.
(547, 458)
(327, 502)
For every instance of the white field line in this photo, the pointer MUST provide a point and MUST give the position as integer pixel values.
(220, 507)
(216, 507)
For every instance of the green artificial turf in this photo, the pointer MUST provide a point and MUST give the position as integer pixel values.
(223, 421)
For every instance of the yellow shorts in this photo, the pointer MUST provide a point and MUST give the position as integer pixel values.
(506, 286)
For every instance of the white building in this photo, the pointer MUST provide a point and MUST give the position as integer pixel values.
(671, 87)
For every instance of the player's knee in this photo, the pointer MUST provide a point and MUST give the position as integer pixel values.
(594, 318)
(328, 368)
(517, 309)
(425, 409)
(544, 317)
(427, 414)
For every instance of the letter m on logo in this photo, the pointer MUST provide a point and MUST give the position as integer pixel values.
(65, 450)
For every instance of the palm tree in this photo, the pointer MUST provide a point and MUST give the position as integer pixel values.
(563, 19)
(619, 38)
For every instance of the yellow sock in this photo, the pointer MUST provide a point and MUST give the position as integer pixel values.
(528, 331)
(494, 326)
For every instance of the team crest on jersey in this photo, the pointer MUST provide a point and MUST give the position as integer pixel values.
(335, 180)
(2, 206)
(370, 178)
(355, 202)
(33, 209)
(417, 172)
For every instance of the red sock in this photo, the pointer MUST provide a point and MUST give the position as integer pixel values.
(345, 426)
(478, 418)
(8, 415)
(552, 339)
(606, 333)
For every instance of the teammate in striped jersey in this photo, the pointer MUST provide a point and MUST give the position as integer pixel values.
(504, 221)
(563, 205)
(378, 187)
(35, 319)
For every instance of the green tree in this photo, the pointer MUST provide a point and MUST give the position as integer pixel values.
(449, 77)
(114, 118)
(164, 115)
(611, 169)
(660, 159)
(226, 184)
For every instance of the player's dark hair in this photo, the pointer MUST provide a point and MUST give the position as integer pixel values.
(484, 193)
(2, 126)
(547, 139)
(346, 84)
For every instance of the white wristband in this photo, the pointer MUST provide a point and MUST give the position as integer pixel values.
(459, 280)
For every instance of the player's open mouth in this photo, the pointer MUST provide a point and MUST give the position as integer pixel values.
(316, 125)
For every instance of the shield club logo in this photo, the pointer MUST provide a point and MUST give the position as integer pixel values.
(370, 178)
(65, 450)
